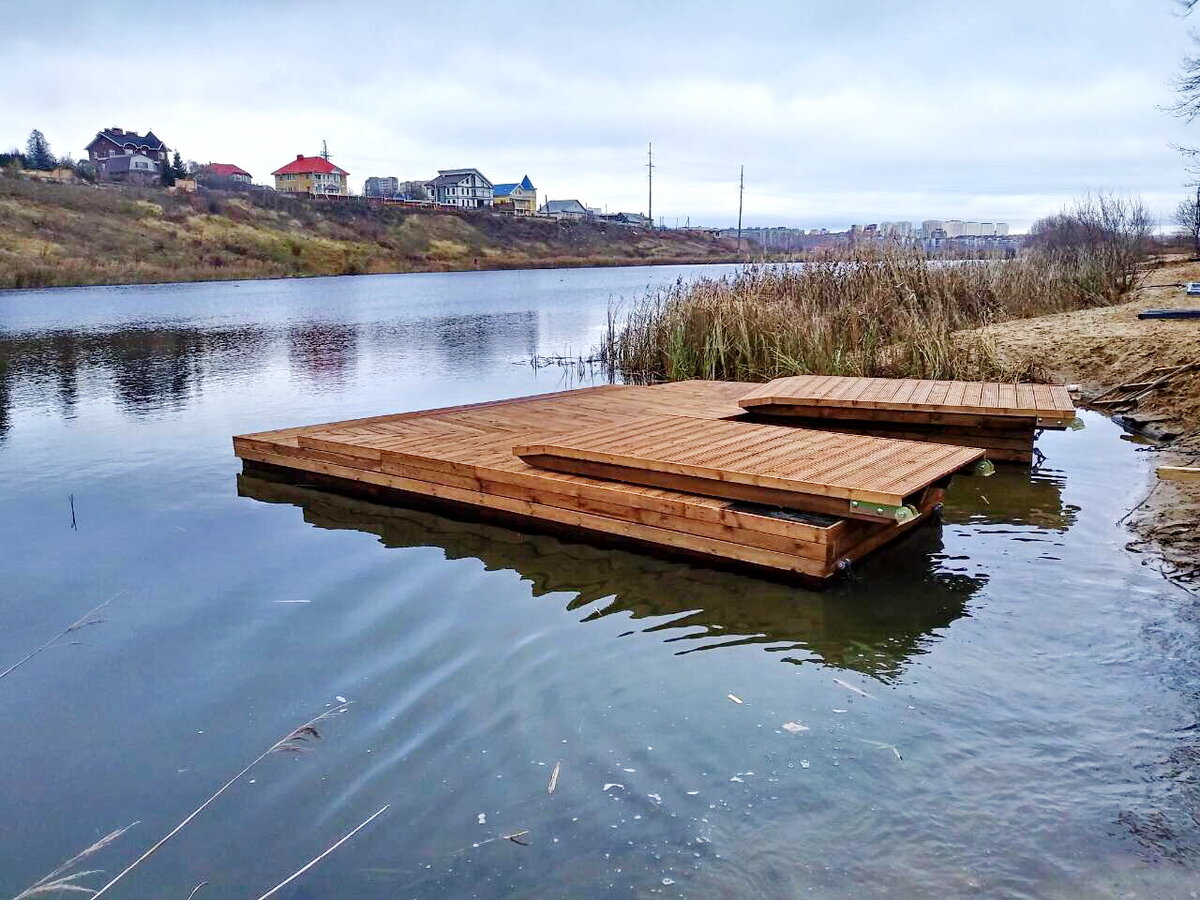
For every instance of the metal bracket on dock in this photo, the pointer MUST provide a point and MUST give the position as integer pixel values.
(985, 468)
(901, 514)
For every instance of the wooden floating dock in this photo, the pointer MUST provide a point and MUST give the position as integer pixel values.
(793, 468)
(674, 467)
(1002, 418)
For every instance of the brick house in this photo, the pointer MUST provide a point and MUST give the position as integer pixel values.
(120, 155)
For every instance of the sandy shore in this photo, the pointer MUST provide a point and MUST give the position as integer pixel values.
(1101, 348)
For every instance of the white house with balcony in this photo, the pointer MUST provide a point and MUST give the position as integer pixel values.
(462, 188)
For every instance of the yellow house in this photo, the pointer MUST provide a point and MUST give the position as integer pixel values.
(311, 175)
(519, 198)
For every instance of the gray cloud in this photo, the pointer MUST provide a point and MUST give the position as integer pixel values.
(840, 112)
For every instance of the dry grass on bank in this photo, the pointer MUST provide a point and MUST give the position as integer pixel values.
(887, 314)
(55, 235)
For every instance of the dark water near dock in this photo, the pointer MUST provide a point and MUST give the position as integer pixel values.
(1005, 705)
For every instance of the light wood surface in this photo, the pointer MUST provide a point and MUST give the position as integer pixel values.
(1049, 404)
(465, 455)
(1179, 473)
(796, 462)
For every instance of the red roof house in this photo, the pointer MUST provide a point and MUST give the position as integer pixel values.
(311, 175)
(228, 170)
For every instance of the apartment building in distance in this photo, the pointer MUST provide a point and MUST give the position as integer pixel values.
(377, 186)
(954, 228)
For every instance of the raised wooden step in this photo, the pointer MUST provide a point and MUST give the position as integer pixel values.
(913, 400)
(845, 474)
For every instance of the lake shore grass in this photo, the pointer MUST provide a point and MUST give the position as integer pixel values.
(54, 235)
(887, 312)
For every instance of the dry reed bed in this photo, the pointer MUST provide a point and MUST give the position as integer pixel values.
(888, 314)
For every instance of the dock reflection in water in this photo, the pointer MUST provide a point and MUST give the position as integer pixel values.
(1014, 495)
(848, 626)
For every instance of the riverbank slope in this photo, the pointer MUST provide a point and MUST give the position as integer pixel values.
(54, 235)
(1103, 347)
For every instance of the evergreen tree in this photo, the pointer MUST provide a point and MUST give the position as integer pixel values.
(13, 159)
(178, 169)
(37, 152)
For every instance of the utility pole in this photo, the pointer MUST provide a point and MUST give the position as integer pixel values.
(324, 150)
(650, 182)
(741, 191)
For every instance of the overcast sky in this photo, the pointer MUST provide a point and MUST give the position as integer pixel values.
(842, 112)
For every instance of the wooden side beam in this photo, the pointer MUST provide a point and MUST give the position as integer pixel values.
(1179, 473)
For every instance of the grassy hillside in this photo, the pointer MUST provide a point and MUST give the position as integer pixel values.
(54, 235)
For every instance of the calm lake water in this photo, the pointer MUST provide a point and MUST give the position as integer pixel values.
(1004, 705)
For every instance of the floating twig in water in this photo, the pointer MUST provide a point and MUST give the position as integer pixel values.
(879, 745)
(852, 688)
(82, 622)
(327, 851)
(1176, 582)
(554, 778)
(295, 740)
(1138, 506)
(74, 527)
(515, 837)
(196, 890)
(57, 881)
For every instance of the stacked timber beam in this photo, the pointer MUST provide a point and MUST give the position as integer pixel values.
(672, 466)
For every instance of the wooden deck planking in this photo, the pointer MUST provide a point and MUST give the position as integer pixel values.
(464, 455)
(846, 467)
(421, 445)
(1050, 404)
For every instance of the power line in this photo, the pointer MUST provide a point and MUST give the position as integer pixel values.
(741, 192)
(650, 182)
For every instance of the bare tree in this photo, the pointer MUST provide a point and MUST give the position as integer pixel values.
(1187, 217)
(1187, 86)
(1105, 236)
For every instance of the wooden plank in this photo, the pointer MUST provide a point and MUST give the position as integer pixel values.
(916, 417)
(650, 534)
(1051, 404)
(801, 462)
(1179, 473)
(464, 455)
(522, 480)
(748, 493)
(754, 530)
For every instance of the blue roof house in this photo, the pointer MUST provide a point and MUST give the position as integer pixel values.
(518, 198)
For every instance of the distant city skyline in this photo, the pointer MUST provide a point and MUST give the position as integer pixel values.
(840, 113)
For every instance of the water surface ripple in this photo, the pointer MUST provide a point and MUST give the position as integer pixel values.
(1003, 705)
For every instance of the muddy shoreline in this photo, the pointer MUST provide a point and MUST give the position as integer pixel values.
(1099, 349)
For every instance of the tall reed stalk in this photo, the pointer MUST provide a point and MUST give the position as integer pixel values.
(297, 740)
(889, 313)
